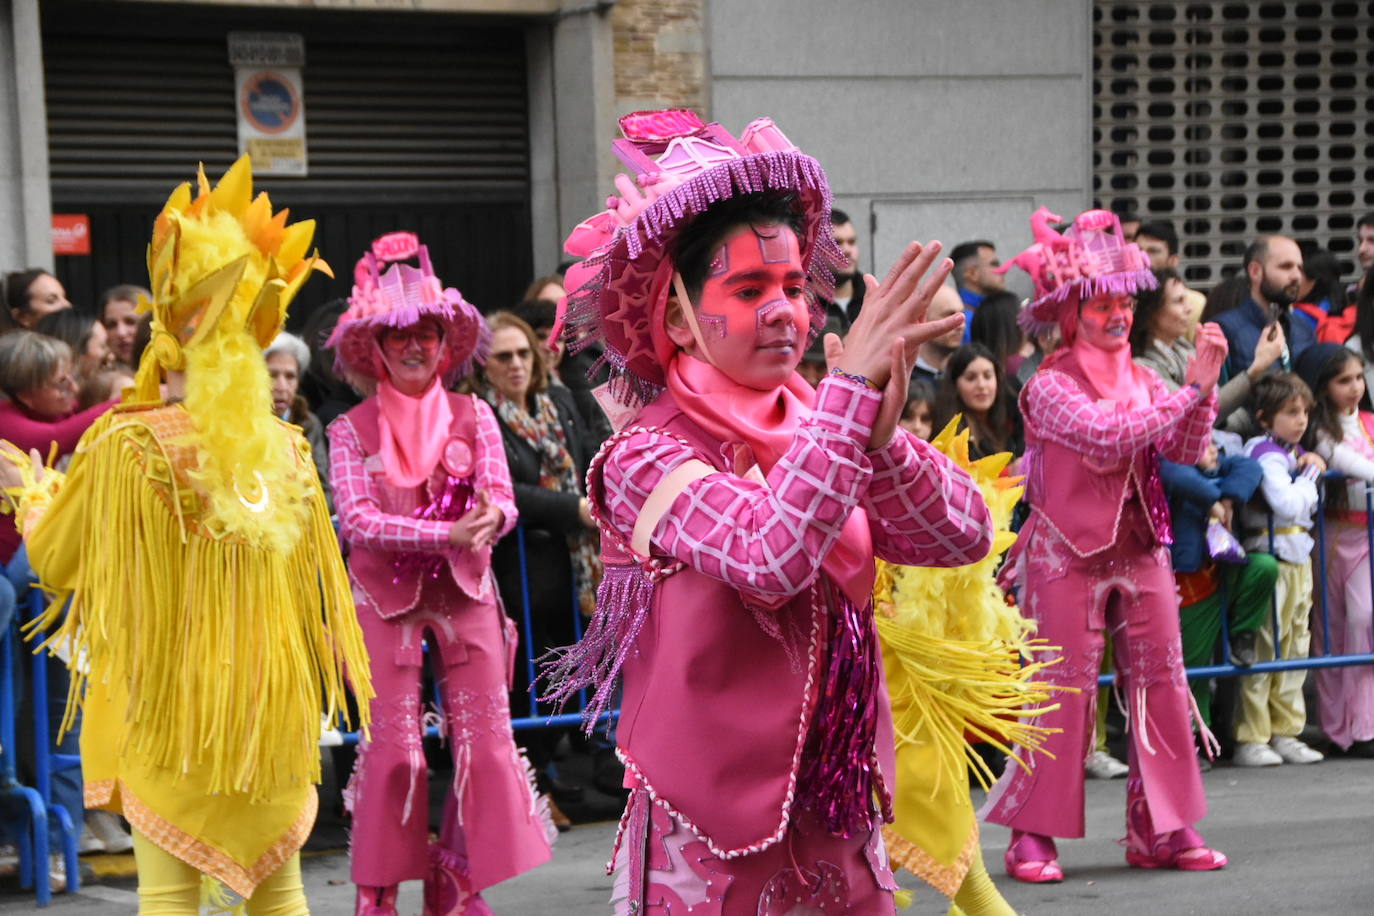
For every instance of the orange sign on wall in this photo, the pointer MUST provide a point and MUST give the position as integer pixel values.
(71, 233)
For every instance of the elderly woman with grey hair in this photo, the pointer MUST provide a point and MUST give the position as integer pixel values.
(288, 358)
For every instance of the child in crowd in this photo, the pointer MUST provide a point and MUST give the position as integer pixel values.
(918, 416)
(1199, 495)
(1272, 710)
(1343, 435)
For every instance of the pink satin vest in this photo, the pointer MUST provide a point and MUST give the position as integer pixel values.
(1081, 497)
(715, 710)
(389, 592)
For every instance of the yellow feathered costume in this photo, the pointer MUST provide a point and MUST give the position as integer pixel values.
(211, 617)
(954, 653)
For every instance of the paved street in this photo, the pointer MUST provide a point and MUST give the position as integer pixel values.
(1301, 841)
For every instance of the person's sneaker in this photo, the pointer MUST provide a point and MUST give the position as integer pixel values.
(1254, 754)
(9, 859)
(57, 873)
(108, 828)
(1294, 751)
(89, 842)
(1102, 765)
(1243, 649)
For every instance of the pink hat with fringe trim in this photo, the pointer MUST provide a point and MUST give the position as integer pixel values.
(682, 166)
(398, 298)
(1088, 259)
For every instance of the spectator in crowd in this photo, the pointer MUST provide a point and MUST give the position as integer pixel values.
(974, 386)
(329, 394)
(813, 364)
(1159, 241)
(1208, 493)
(849, 279)
(1272, 710)
(83, 335)
(549, 287)
(40, 406)
(118, 312)
(1362, 324)
(288, 359)
(1322, 295)
(1273, 266)
(973, 271)
(105, 384)
(423, 493)
(1365, 240)
(933, 354)
(994, 325)
(1226, 295)
(548, 449)
(1130, 225)
(1340, 432)
(29, 295)
(568, 371)
(1159, 340)
(918, 416)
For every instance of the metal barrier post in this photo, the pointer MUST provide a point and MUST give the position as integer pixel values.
(1274, 597)
(1321, 565)
(46, 760)
(529, 623)
(33, 839)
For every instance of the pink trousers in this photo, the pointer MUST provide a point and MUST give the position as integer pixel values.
(493, 828)
(1346, 695)
(1128, 589)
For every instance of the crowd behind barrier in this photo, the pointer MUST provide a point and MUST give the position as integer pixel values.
(1269, 309)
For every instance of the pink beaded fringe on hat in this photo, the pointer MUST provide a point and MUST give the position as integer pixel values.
(398, 298)
(1088, 259)
(682, 167)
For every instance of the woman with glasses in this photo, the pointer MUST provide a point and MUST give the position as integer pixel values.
(422, 492)
(548, 449)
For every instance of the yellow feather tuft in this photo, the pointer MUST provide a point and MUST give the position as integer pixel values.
(234, 190)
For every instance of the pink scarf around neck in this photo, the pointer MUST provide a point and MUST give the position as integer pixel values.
(1113, 373)
(766, 421)
(413, 431)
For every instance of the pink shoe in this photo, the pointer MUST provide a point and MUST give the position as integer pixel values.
(376, 901)
(447, 889)
(1032, 858)
(1181, 850)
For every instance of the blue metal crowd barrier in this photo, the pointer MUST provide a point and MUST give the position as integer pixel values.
(1311, 661)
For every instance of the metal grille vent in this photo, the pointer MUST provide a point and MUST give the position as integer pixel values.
(1233, 120)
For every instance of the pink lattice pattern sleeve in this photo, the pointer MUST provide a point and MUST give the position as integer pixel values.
(1057, 409)
(767, 540)
(493, 474)
(1190, 438)
(358, 502)
(924, 509)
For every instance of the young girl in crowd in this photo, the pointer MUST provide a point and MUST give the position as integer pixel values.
(974, 386)
(1342, 433)
(1272, 711)
(918, 416)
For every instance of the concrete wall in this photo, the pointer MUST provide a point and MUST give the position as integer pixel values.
(934, 119)
(25, 205)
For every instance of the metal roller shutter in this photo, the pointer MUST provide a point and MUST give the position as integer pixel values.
(1236, 119)
(412, 120)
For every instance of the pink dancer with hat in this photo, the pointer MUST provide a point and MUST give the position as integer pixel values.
(422, 492)
(740, 512)
(1094, 555)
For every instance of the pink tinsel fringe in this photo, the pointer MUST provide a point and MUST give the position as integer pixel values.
(1042, 315)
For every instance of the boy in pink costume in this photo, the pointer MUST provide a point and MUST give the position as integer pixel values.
(740, 512)
(422, 491)
(1096, 557)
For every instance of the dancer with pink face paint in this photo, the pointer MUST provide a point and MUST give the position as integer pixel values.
(422, 491)
(1095, 557)
(740, 513)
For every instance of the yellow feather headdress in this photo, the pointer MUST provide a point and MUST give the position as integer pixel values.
(222, 269)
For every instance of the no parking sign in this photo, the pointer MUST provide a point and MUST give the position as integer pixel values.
(270, 100)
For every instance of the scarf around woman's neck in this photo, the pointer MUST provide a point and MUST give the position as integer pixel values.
(413, 430)
(541, 429)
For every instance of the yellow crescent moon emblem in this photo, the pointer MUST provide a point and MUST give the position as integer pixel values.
(254, 505)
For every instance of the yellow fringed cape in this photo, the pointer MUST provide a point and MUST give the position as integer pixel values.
(202, 662)
(953, 653)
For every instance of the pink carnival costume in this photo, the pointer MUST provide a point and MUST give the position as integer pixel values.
(738, 527)
(1096, 557)
(409, 467)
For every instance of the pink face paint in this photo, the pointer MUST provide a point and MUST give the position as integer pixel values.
(719, 264)
(774, 248)
(1105, 321)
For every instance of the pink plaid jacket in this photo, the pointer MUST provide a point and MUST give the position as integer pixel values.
(768, 539)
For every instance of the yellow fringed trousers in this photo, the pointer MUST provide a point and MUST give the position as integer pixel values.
(168, 886)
